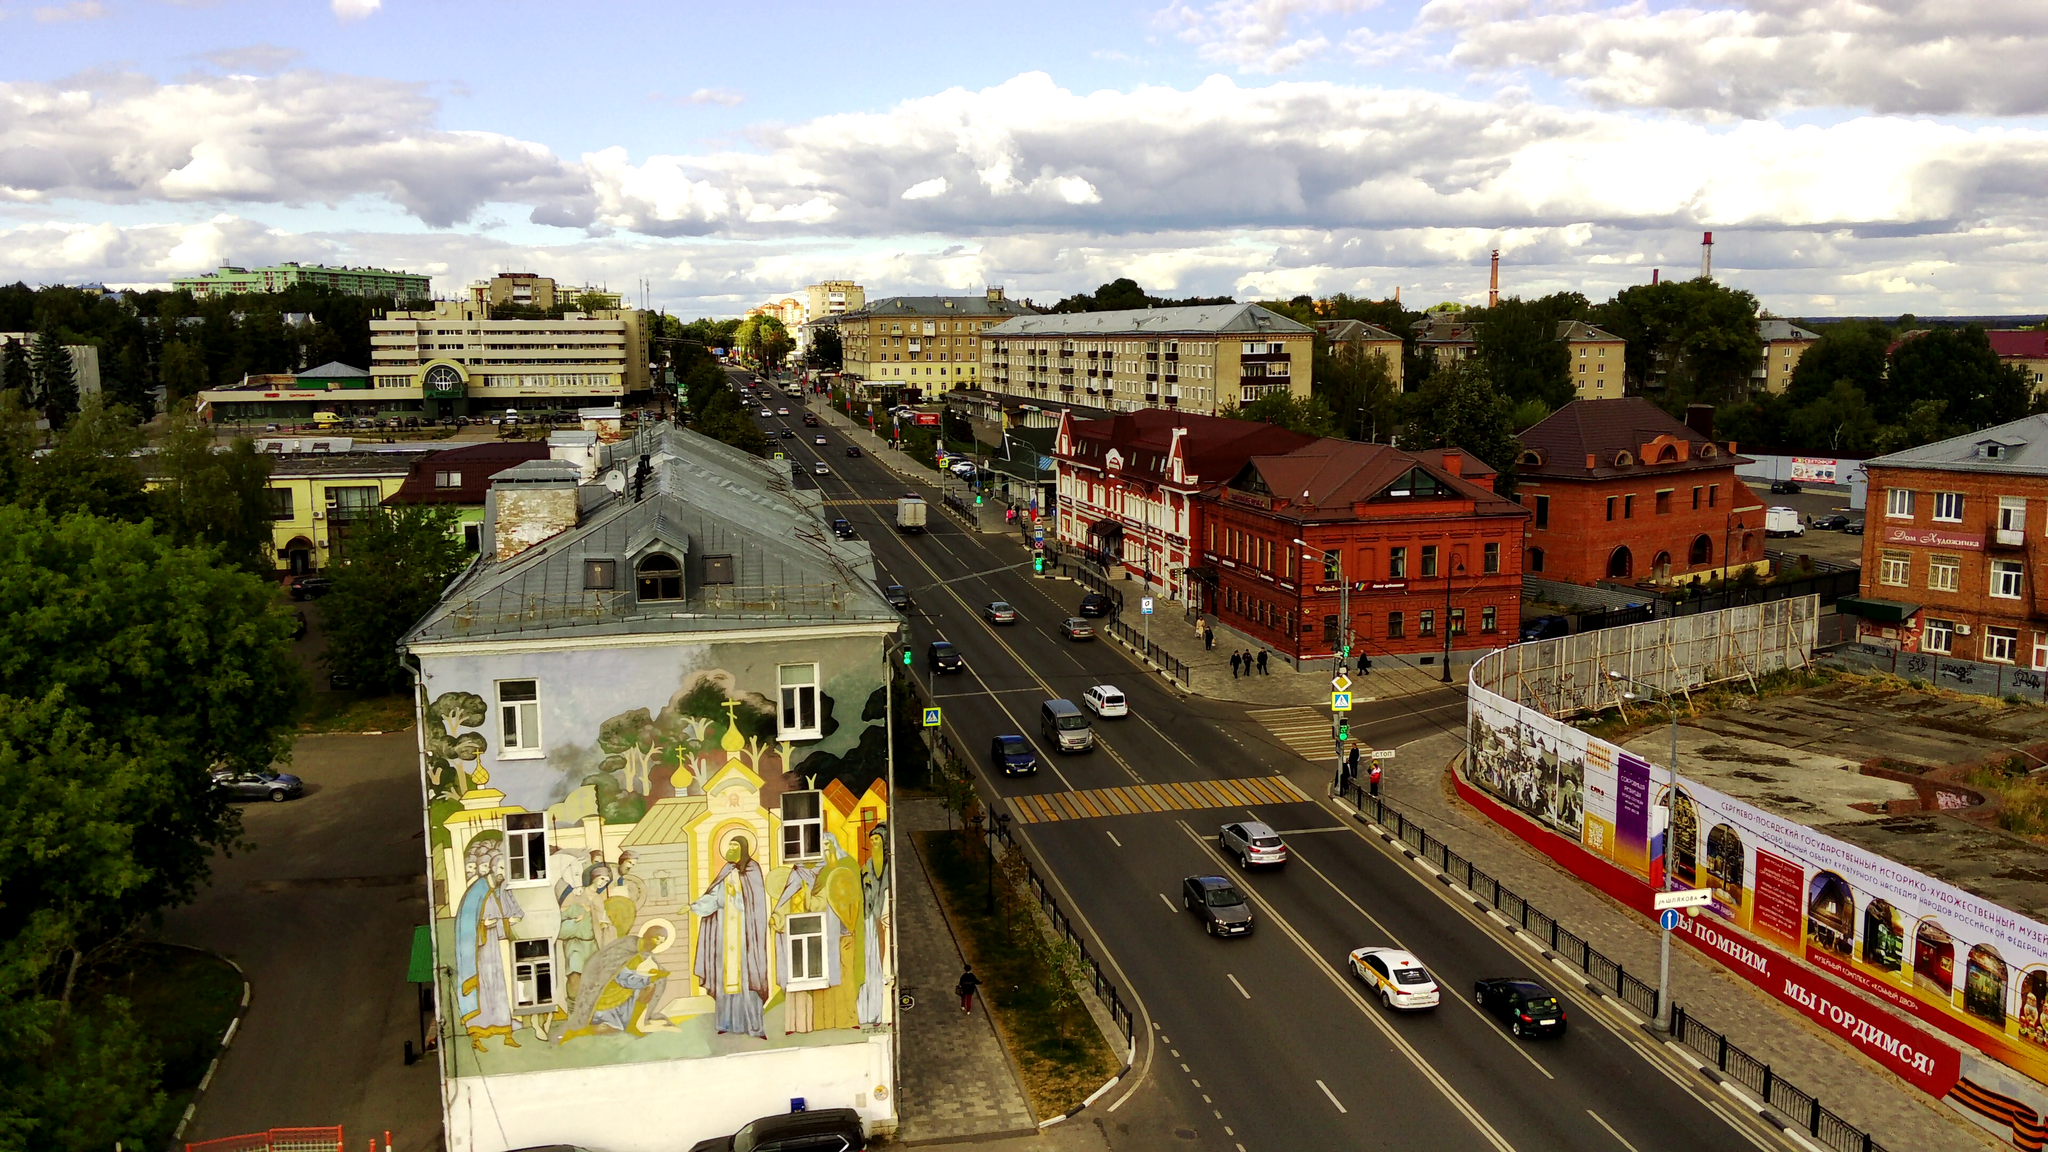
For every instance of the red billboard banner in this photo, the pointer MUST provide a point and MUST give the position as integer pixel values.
(1935, 538)
(927, 419)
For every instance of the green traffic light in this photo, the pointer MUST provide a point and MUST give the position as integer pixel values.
(906, 657)
(1343, 729)
(1038, 563)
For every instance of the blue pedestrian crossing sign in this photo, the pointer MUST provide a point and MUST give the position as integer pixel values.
(931, 717)
(1340, 701)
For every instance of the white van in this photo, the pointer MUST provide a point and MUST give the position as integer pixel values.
(1783, 521)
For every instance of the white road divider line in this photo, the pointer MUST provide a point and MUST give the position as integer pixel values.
(1332, 1096)
(1236, 985)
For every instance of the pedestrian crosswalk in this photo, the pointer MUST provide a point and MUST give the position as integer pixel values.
(1305, 730)
(1141, 798)
(861, 501)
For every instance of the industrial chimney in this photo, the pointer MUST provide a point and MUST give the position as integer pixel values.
(1653, 276)
(1493, 285)
(1707, 256)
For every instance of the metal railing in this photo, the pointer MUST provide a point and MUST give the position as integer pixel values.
(1610, 975)
(275, 1140)
(1160, 658)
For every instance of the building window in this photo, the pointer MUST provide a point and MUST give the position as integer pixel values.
(1428, 561)
(1610, 507)
(660, 578)
(2001, 645)
(1944, 573)
(1713, 495)
(1628, 506)
(1492, 558)
(1330, 629)
(1397, 563)
(1489, 619)
(518, 718)
(600, 575)
(1620, 564)
(1457, 621)
(1425, 622)
(2006, 579)
(526, 846)
(1396, 627)
(1664, 502)
(280, 503)
(1898, 503)
(1896, 569)
(1702, 550)
(1948, 507)
(1333, 565)
(1535, 559)
(803, 826)
(2012, 514)
(1695, 497)
(1543, 511)
(2040, 651)
(533, 973)
(473, 536)
(799, 701)
(1938, 636)
(447, 479)
(806, 969)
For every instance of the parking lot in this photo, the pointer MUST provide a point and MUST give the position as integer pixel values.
(1832, 547)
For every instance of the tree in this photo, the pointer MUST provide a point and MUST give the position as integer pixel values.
(1956, 366)
(1460, 408)
(182, 368)
(1840, 423)
(1852, 350)
(399, 559)
(1357, 388)
(92, 468)
(1695, 339)
(1309, 416)
(1124, 293)
(15, 373)
(828, 351)
(204, 496)
(1516, 342)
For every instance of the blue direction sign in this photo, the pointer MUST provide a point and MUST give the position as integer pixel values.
(1668, 919)
(931, 717)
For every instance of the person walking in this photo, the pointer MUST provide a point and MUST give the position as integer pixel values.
(1208, 637)
(968, 983)
(1375, 777)
(1235, 663)
(1351, 767)
(1262, 663)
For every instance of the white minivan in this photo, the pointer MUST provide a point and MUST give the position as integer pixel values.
(1106, 700)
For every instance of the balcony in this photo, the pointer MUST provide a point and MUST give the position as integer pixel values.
(1172, 399)
(1151, 377)
(1152, 356)
(1067, 388)
(1172, 356)
(2009, 538)
(1173, 377)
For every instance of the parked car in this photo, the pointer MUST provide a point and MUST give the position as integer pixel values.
(943, 657)
(842, 528)
(258, 784)
(1399, 978)
(898, 596)
(1526, 1007)
(1222, 909)
(852, 450)
(1853, 528)
(826, 1130)
(1785, 487)
(1545, 627)
(999, 612)
(310, 587)
(1252, 842)
(1834, 523)
(1093, 604)
(1106, 700)
(1012, 756)
(1075, 628)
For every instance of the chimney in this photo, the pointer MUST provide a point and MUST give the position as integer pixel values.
(1454, 462)
(1707, 256)
(1493, 285)
(1592, 462)
(530, 503)
(995, 294)
(1397, 293)
(578, 448)
(1653, 276)
(1700, 418)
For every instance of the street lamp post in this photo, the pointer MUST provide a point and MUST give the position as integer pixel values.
(1447, 616)
(1663, 1021)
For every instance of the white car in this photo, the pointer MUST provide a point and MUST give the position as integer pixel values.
(1399, 978)
(767, 415)
(821, 468)
(1106, 700)
(782, 411)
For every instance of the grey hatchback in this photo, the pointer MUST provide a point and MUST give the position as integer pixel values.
(258, 784)
(1252, 842)
(1222, 908)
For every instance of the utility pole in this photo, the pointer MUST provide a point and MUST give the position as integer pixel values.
(1447, 615)
(1662, 1023)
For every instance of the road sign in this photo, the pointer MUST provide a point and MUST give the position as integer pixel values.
(1668, 919)
(1038, 534)
(1684, 898)
(1383, 753)
(1340, 683)
(931, 717)
(1340, 701)
(1145, 605)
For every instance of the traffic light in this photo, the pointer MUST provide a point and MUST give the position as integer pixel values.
(906, 656)
(977, 499)
(1037, 560)
(1346, 653)
(1343, 729)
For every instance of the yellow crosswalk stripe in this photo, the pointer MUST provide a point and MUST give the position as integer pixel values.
(1138, 799)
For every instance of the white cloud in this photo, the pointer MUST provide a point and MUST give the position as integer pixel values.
(724, 97)
(77, 10)
(356, 9)
(255, 58)
(926, 189)
(1255, 35)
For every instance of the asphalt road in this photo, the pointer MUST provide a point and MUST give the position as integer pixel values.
(1262, 1042)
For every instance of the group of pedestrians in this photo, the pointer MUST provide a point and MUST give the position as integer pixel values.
(1242, 663)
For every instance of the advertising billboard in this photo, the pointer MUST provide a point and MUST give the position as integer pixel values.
(1815, 470)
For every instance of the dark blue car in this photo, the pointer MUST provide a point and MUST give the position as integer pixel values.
(1012, 756)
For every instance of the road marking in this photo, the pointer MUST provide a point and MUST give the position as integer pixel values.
(1176, 911)
(1112, 838)
(1236, 985)
(1610, 1130)
(1305, 731)
(1307, 831)
(1140, 799)
(1332, 1096)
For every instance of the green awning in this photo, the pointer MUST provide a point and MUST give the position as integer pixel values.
(1880, 611)
(420, 969)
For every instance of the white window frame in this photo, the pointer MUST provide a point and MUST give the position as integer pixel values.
(1948, 507)
(798, 717)
(2008, 579)
(2001, 645)
(533, 974)
(519, 720)
(2012, 513)
(2040, 651)
(1896, 569)
(1938, 637)
(1898, 503)
(1944, 573)
(806, 967)
(526, 847)
(803, 836)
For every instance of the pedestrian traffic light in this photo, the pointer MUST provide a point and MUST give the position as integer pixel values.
(977, 499)
(1343, 729)
(1037, 561)
(906, 656)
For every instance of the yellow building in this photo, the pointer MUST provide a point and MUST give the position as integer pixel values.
(1784, 343)
(834, 298)
(1596, 360)
(455, 360)
(1208, 359)
(931, 343)
(1357, 338)
(317, 496)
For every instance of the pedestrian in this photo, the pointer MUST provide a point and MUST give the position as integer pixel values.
(968, 983)
(1262, 663)
(1208, 637)
(1235, 662)
(1351, 767)
(1375, 777)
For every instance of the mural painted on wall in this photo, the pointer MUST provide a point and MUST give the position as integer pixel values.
(681, 884)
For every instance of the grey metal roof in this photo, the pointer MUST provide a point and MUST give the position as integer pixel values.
(347, 463)
(939, 306)
(1580, 330)
(333, 370)
(703, 499)
(2021, 449)
(1784, 330)
(1194, 320)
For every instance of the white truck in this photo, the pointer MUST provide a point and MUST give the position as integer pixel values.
(910, 513)
(1783, 521)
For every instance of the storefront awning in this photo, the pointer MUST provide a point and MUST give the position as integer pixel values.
(1878, 611)
(1106, 528)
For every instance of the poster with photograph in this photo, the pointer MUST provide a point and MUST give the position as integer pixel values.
(1534, 763)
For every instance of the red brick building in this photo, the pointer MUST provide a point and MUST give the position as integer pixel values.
(1127, 485)
(1948, 555)
(1618, 490)
(1420, 539)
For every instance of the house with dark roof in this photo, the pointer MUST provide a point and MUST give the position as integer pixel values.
(2025, 348)
(460, 479)
(927, 345)
(1337, 546)
(1620, 491)
(656, 785)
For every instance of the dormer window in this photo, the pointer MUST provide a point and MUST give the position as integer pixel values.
(1532, 457)
(1708, 451)
(660, 578)
(1991, 450)
(1416, 483)
(1624, 459)
(1669, 454)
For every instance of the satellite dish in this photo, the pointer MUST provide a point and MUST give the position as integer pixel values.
(615, 481)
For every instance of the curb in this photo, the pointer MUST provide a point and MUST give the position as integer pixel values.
(227, 1038)
(1129, 1059)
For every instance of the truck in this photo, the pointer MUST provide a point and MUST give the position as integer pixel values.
(1783, 521)
(910, 513)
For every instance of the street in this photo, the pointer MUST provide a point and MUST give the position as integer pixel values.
(1267, 1041)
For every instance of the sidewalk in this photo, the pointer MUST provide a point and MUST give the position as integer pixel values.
(1893, 1112)
(957, 1082)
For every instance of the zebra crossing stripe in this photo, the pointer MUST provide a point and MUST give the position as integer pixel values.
(1143, 799)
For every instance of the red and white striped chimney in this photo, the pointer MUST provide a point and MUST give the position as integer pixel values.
(1707, 256)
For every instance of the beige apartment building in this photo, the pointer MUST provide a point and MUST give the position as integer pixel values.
(931, 343)
(533, 290)
(1207, 359)
(1357, 338)
(457, 361)
(834, 298)
(1596, 360)
(1784, 343)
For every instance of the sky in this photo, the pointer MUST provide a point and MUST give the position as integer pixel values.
(1867, 157)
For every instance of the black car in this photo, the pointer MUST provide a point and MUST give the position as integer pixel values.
(851, 450)
(943, 657)
(1784, 487)
(1546, 627)
(310, 587)
(899, 596)
(810, 419)
(1526, 1007)
(787, 434)
(1093, 604)
(1834, 523)
(299, 624)
(1222, 908)
(1012, 756)
(842, 528)
(258, 784)
(1853, 527)
(826, 1130)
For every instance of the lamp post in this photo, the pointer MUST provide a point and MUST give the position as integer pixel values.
(1663, 1021)
(1448, 563)
(1343, 600)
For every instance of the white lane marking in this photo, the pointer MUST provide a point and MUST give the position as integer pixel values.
(1112, 838)
(1236, 985)
(1332, 1096)
(1610, 1130)
(1168, 903)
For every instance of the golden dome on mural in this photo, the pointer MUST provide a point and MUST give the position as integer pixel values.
(733, 741)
